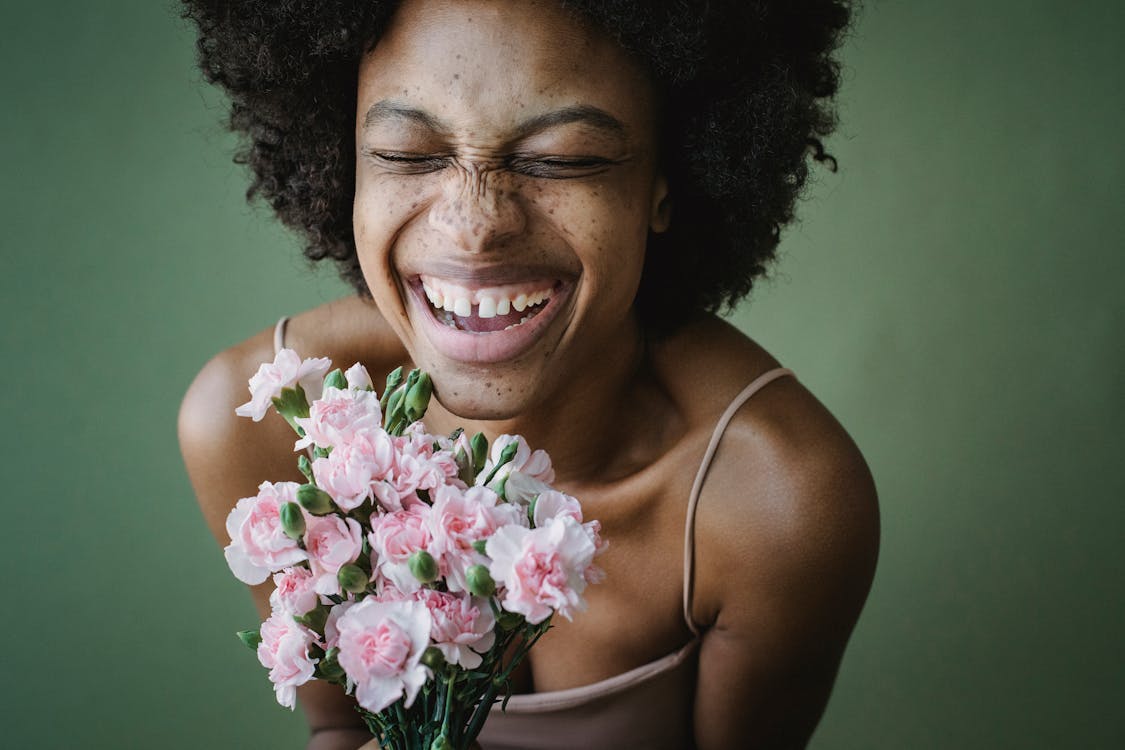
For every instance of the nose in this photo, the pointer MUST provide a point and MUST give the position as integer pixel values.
(477, 209)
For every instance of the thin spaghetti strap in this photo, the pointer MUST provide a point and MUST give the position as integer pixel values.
(278, 345)
(701, 475)
(279, 334)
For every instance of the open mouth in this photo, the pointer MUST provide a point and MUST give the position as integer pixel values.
(486, 310)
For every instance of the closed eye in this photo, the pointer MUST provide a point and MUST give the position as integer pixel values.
(408, 163)
(558, 168)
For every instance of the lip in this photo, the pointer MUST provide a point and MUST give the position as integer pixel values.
(486, 348)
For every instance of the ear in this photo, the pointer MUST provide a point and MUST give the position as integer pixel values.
(661, 213)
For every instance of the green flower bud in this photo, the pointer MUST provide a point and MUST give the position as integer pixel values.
(251, 638)
(417, 398)
(464, 467)
(314, 500)
(292, 520)
(392, 414)
(479, 581)
(479, 444)
(480, 546)
(423, 566)
(336, 379)
(352, 578)
(305, 467)
(433, 658)
(394, 380)
(505, 458)
(441, 743)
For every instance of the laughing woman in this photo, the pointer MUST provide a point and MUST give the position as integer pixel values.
(544, 205)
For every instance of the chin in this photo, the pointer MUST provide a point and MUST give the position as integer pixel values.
(481, 395)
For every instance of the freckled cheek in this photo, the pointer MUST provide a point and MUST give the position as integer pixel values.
(604, 230)
(381, 213)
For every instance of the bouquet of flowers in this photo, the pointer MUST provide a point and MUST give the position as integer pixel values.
(414, 570)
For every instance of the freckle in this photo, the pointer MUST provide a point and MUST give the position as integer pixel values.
(488, 384)
(455, 393)
(456, 76)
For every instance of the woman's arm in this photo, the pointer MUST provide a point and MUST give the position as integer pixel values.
(227, 457)
(782, 574)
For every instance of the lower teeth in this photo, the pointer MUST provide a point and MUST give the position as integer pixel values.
(450, 320)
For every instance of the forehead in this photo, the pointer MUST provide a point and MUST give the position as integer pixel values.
(485, 63)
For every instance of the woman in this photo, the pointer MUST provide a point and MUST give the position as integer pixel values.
(542, 205)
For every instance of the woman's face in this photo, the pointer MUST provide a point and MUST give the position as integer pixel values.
(505, 187)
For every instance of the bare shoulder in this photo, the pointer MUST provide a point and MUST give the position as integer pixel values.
(228, 456)
(788, 493)
(790, 500)
(786, 541)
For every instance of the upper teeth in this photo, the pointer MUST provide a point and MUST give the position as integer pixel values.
(489, 302)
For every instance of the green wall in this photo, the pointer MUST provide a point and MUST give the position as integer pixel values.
(954, 294)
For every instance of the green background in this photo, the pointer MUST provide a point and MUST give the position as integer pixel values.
(953, 294)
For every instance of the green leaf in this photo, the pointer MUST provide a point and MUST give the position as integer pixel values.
(251, 638)
(292, 403)
(336, 379)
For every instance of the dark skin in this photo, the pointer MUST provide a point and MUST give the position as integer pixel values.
(787, 530)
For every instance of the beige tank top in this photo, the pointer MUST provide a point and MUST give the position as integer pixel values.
(648, 707)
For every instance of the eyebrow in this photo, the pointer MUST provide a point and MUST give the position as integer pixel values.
(385, 110)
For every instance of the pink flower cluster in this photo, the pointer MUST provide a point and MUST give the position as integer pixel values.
(352, 582)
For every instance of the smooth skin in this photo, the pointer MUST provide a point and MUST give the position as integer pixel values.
(483, 154)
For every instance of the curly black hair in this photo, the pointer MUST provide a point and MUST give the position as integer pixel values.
(746, 89)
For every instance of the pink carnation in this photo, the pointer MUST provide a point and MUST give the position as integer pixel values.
(542, 570)
(295, 592)
(417, 466)
(331, 542)
(331, 633)
(535, 464)
(336, 417)
(284, 651)
(286, 371)
(459, 518)
(554, 504)
(381, 646)
(521, 489)
(462, 628)
(357, 377)
(394, 538)
(351, 471)
(258, 545)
